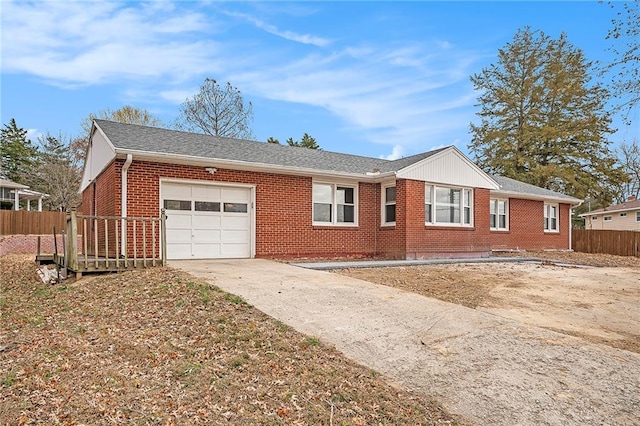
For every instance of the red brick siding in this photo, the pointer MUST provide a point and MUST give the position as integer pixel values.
(284, 225)
(526, 228)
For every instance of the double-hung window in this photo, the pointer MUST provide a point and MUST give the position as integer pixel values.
(551, 218)
(334, 204)
(388, 205)
(448, 206)
(499, 217)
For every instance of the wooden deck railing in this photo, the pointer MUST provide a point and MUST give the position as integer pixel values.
(114, 243)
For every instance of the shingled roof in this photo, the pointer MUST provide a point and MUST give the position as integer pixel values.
(515, 186)
(143, 139)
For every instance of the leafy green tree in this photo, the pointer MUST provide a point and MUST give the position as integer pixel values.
(625, 68)
(543, 121)
(17, 153)
(306, 142)
(273, 140)
(218, 111)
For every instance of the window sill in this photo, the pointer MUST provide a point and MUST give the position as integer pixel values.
(557, 231)
(449, 227)
(335, 225)
(504, 231)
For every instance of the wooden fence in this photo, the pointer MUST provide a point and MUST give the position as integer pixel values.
(23, 222)
(621, 243)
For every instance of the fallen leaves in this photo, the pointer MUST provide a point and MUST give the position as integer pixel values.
(159, 346)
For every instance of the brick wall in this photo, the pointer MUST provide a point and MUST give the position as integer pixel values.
(284, 225)
(526, 228)
(28, 244)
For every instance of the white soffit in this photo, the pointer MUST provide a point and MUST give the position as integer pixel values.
(449, 167)
(100, 154)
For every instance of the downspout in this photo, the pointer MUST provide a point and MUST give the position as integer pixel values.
(123, 205)
(571, 207)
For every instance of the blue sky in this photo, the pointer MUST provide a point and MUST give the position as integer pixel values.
(382, 79)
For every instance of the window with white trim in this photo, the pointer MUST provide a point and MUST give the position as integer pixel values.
(498, 215)
(623, 215)
(551, 218)
(448, 206)
(594, 217)
(334, 204)
(388, 205)
(637, 216)
(608, 218)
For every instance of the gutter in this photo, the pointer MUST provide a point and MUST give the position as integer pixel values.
(123, 204)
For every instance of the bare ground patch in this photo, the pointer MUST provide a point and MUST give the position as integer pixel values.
(160, 346)
(597, 304)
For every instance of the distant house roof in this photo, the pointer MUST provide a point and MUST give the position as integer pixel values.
(626, 206)
(6, 183)
(512, 186)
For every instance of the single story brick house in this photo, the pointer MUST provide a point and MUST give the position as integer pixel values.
(620, 217)
(228, 198)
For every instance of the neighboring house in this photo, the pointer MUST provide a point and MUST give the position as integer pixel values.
(11, 193)
(623, 217)
(228, 198)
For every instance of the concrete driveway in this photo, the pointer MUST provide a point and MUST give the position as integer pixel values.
(488, 369)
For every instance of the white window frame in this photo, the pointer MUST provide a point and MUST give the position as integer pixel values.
(495, 203)
(547, 218)
(385, 203)
(466, 194)
(637, 216)
(334, 204)
(607, 218)
(594, 217)
(623, 214)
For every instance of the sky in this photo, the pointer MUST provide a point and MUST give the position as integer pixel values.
(379, 79)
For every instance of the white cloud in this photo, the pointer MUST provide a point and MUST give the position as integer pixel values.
(395, 153)
(33, 135)
(79, 43)
(287, 35)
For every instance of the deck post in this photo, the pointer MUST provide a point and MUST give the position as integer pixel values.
(163, 236)
(71, 254)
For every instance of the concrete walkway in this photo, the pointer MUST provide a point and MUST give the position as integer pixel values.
(485, 368)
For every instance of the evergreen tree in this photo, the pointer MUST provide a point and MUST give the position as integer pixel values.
(542, 122)
(273, 140)
(17, 153)
(306, 142)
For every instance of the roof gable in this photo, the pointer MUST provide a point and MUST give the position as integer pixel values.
(448, 166)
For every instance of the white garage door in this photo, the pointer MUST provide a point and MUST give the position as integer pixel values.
(206, 221)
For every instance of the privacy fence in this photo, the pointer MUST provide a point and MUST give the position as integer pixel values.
(23, 222)
(621, 243)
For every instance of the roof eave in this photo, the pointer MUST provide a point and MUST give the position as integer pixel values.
(597, 212)
(523, 195)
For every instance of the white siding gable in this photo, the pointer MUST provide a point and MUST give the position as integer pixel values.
(99, 155)
(449, 167)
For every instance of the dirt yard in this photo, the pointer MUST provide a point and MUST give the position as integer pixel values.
(598, 304)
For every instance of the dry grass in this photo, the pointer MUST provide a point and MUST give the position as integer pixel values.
(158, 346)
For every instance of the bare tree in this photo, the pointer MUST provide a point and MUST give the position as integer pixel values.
(218, 111)
(126, 114)
(629, 158)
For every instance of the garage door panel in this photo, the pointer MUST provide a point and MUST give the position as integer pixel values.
(176, 191)
(216, 225)
(207, 221)
(207, 236)
(235, 222)
(235, 194)
(206, 193)
(178, 236)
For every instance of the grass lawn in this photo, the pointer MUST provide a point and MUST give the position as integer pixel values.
(158, 346)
